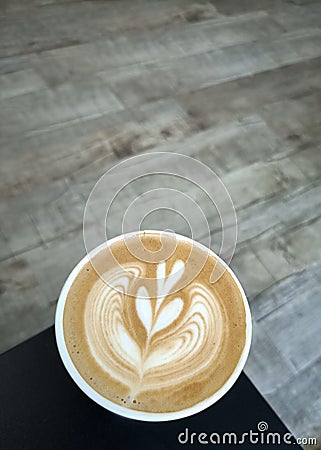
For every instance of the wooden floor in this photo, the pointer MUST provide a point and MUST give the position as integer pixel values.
(235, 84)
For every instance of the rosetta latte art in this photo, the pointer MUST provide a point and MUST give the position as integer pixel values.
(152, 338)
(174, 331)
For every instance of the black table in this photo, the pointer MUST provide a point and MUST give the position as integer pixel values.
(42, 408)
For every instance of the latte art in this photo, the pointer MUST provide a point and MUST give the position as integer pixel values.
(175, 333)
(155, 349)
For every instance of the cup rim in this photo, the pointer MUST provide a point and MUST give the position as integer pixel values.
(114, 407)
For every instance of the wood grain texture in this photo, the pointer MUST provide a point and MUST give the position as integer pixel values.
(297, 302)
(291, 399)
(236, 85)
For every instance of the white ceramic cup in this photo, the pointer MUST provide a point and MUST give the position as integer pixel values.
(121, 410)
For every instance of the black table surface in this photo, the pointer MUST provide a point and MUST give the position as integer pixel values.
(42, 408)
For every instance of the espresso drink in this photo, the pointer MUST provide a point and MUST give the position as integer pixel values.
(156, 337)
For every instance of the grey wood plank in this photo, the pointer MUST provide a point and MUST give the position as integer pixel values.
(190, 144)
(291, 251)
(77, 144)
(29, 198)
(5, 251)
(262, 172)
(33, 312)
(218, 66)
(272, 217)
(60, 217)
(262, 55)
(245, 96)
(13, 32)
(296, 116)
(61, 25)
(297, 405)
(19, 231)
(176, 204)
(253, 281)
(309, 207)
(220, 32)
(52, 107)
(30, 285)
(266, 367)
(15, 64)
(295, 16)
(47, 209)
(267, 180)
(207, 208)
(19, 83)
(243, 28)
(157, 123)
(106, 54)
(309, 161)
(273, 177)
(51, 264)
(302, 285)
(24, 306)
(74, 149)
(230, 7)
(142, 86)
(16, 5)
(62, 214)
(302, 244)
(180, 39)
(249, 142)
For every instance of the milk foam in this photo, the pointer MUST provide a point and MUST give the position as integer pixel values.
(177, 333)
(141, 342)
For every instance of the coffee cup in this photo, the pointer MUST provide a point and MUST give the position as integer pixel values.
(146, 333)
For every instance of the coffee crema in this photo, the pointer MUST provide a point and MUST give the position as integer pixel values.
(158, 351)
